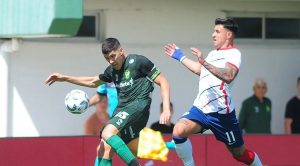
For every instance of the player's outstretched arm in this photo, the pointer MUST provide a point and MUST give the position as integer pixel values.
(165, 116)
(175, 52)
(92, 82)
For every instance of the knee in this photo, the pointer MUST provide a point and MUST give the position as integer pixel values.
(105, 134)
(179, 135)
(179, 130)
(108, 131)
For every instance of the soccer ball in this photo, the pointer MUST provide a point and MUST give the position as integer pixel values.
(76, 101)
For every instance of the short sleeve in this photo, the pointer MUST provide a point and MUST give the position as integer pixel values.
(107, 75)
(102, 89)
(147, 67)
(234, 58)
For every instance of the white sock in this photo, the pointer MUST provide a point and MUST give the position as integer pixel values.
(256, 161)
(185, 152)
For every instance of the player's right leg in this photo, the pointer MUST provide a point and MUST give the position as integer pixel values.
(188, 124)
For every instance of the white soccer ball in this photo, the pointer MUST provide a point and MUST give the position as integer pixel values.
(77, 101)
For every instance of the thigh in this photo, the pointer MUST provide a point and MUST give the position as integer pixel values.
(135, 124)
(185, 127)
(108, 131)
(226, 129)
(192, 121)
(130, 120)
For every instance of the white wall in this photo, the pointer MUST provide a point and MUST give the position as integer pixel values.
(143, 27)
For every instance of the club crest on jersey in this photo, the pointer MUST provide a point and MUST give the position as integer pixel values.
(127, 74)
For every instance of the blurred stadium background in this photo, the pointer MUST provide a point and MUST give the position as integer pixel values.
(269, 40)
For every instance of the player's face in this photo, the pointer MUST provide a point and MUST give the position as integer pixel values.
(220, 36)
(115, 58)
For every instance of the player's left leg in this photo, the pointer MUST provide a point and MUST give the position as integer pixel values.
(183, 128)
(191, 122)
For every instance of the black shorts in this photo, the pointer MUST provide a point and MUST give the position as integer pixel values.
(131, 119)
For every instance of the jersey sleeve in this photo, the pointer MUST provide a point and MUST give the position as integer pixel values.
(107, 75)
(102, 89)
(235, 59)
(147, 67)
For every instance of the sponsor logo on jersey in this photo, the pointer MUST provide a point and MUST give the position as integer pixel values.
(126, 83)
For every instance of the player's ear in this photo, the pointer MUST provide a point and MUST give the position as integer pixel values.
(121, 50)
(229, 34)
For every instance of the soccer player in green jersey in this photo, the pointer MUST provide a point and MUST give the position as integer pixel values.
(133, 76)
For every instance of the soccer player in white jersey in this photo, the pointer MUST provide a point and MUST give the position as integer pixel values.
(213, 107)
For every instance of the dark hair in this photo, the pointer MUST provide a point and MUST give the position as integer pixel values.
(109, 45)
(228, 23)
(298, 80)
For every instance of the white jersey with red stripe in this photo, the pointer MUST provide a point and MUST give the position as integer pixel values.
(214, 94)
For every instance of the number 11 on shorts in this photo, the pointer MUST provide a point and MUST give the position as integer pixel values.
(230, 137)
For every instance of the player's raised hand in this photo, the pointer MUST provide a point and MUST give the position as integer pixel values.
(170, 49)
(53, 78)
(198, 53)
(175, 52)
(165, 117)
